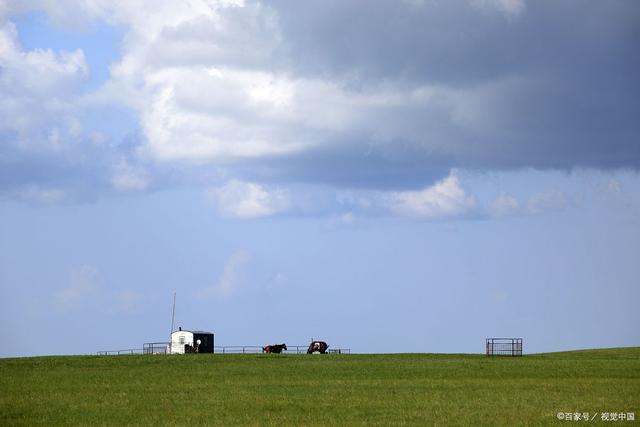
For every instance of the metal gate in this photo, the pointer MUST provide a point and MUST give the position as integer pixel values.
(504, 347)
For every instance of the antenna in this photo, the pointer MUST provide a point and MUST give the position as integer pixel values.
(173, 318)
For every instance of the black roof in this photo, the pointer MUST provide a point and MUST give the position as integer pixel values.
(193, 332)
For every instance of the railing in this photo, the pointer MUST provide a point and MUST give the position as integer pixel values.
(253, 349)
(297, 349)
(235, 349)
(161, 348)
(155, 347)
(120, 352)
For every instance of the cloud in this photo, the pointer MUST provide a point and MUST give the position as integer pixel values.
(230, 280)
(39, 93)
(380, 95)
(48, 152)
(445, 199)
(396, 96)
(248, 200)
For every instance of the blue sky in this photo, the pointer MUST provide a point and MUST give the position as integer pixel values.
(403, 176)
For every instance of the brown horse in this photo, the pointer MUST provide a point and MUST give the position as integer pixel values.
(276, 348)
(319, 346)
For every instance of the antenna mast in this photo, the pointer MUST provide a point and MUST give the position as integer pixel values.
(173, 317)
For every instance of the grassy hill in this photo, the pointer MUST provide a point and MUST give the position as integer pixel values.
(381, 389)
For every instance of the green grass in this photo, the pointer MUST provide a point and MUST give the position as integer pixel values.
(382, 389)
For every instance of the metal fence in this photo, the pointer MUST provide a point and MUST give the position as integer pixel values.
(504, 347)
(155, 347)
(120, 352)
(161, 348)
(237, 349)
(253, 349)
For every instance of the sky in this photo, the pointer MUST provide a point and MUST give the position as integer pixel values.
(389, 176)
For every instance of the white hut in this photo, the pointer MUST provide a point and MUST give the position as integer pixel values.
(183, 341)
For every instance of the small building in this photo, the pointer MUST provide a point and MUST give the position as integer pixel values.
(183, 341)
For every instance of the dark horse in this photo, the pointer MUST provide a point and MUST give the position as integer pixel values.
(276, 348)
(319, 346)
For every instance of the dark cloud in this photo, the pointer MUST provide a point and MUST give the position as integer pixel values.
(381, 95)
(555, 86)
(454, 42)
(353, 163)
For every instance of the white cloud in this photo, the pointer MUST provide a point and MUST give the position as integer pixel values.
(231, 84)
(236, 118)
(40, 89)
(198, 76)
(201, 77)
(230, 279)
(445, 199)
(248, 200)
(204, 79)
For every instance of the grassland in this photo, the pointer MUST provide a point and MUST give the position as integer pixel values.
(385, 389)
